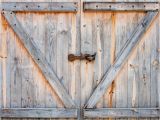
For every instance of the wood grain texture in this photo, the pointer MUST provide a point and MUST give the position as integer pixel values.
(39, 59)
(58, 33)
(121, 6)
(39, 6)
(130, 44)
(38, 113)
(122, 113)
(132, 82)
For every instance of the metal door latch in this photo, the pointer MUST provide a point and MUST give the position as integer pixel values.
(72, 57)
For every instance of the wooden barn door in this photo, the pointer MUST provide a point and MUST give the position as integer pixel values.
(37, 79)
(79, 59)
(122, 81)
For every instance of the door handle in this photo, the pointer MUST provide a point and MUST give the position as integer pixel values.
(88, 57)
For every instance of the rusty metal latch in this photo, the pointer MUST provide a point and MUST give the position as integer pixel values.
(72, 57)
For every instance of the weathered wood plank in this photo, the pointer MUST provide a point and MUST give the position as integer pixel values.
(51, 54)
(132, 85)
(123, 30)
(5, 64)
(76, 73)
(61, 36)
(38, 113)
(39, 58)
(122, 113)
(154, 64)
(98, 48)
(87, 36)
(39, 6)
(121, 6)
(38, 33)
(121, 59)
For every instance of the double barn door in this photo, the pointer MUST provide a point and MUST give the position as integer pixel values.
(79, 59)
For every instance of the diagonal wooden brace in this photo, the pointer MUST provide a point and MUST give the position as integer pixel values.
(39, 59)
(130, 45)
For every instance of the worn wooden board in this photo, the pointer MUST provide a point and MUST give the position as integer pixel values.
(39, 6)
(122, 113)
(120, 6)
(38, 113)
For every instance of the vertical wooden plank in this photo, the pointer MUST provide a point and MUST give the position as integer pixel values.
(38, 35)
(144, 53)
(71, 49)
(147, 99)
(28, 91)
(112, 56)
(13, 69)
(154, 63)
(62, 40)
(28, 85)
(86, 47)
(97, 44)
(87, 21)
(111, 94)
(50, 52)
(8, 39)
(75, 68)
(154, 41)
(16, 74)
(68, 42)
(109, 37)
(44, 27)
(133, 67)
(43, 92)
(103, 45)
(133, 82)
(5, 64)
(39, 81)
(24, 69)
(121, 32)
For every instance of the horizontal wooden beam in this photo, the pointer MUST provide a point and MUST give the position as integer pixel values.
(39, 6)
(122, 113)
(38, 113)
(121, 6)
(121, 59)
(39, 59)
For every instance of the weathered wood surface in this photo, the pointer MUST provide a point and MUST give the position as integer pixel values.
(38, 113)
(121, 6)
(136, 85)
(122, 113)
(39, 58)
(39, 6)
(121, 58)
